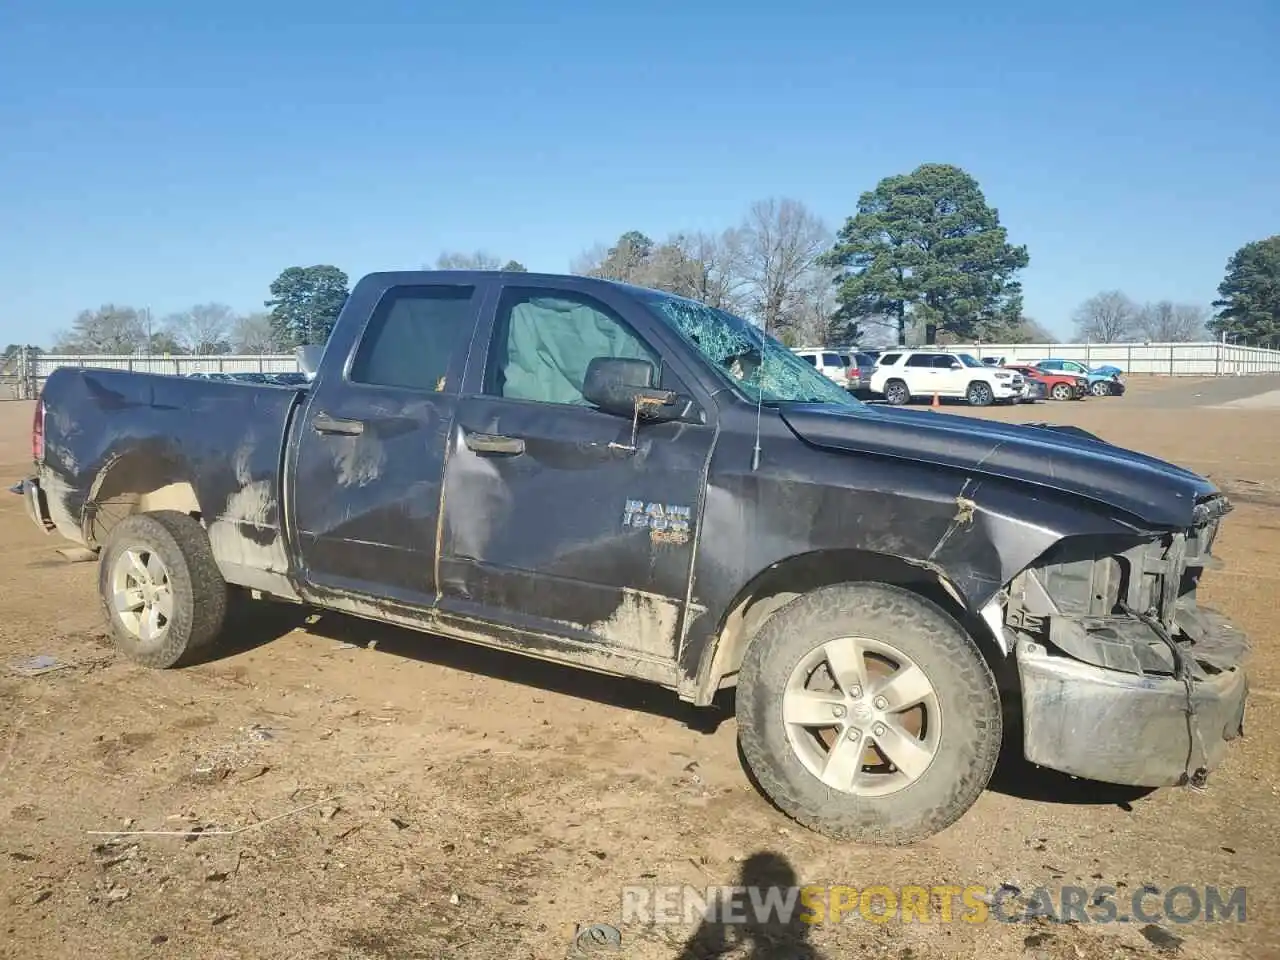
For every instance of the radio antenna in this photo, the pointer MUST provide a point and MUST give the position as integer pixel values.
(755, 451)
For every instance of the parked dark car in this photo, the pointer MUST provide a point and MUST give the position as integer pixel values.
(628, 481)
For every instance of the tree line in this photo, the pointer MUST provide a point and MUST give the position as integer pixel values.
(923, 259)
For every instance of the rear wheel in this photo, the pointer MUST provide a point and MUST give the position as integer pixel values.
(161, 589)
(1100, 388)
(1061, 391)
(979, 394)
(896, 392)
(867, 714)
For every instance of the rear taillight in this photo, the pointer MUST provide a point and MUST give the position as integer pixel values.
(37, 433)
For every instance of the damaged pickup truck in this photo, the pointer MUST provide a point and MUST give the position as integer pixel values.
(642, 485)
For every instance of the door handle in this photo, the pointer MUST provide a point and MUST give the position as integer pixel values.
(323, 423)
(493, 443)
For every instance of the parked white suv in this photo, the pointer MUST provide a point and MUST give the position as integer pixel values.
(831, 363)
(903, 374)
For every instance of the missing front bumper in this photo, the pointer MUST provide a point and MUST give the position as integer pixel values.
(1123, 728)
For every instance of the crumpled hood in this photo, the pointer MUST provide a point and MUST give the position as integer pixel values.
(1060, 458)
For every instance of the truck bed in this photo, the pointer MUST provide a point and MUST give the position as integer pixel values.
(209, 447)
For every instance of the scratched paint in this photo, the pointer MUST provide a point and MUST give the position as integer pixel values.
(358, 460)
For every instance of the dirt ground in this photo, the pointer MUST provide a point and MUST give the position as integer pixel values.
(471, 804)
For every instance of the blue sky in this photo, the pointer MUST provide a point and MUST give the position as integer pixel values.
(166, 154)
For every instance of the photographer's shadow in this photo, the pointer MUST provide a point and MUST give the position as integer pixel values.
(769, 937)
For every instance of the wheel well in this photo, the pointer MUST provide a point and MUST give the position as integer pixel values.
(780, 584)
(135, 484)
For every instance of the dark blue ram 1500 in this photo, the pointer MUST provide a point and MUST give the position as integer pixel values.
(641, 485)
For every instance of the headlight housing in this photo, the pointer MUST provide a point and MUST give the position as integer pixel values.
(1003, 375)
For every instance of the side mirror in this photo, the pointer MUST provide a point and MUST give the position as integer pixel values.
(625, 388)
(957, 365)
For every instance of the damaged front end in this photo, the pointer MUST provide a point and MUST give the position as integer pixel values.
(1125, 678)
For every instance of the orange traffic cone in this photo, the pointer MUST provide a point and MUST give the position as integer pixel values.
(936, 402)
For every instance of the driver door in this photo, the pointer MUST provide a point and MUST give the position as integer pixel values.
(553, 523)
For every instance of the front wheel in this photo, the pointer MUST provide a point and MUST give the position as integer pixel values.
(1100, 388)
(1062, 391)
(161, 589)
(979, 394)
(866, 713)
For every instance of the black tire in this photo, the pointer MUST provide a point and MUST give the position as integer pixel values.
(969, 739)
(1062, 391)
(980, 394)
(896, 393)
(199, 594)
(1100, 388)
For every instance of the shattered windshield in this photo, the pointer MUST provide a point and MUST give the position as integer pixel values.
(755, 363)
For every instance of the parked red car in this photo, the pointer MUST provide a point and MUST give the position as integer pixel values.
(1057, 386)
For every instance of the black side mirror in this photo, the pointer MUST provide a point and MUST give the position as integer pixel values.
(624, 388)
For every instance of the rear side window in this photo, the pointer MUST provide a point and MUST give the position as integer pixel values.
(889, 359)
(413, 337)
(832, 360)
(920, 360)
(809, 358)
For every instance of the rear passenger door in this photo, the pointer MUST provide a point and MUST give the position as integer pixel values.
(920, 374)
(369, 458)
(950, 375)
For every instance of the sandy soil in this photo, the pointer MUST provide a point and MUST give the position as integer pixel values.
(471, 804)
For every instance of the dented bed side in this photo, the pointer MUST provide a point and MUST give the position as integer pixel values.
(116, 442)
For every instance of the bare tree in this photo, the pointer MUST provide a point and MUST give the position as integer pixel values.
(589, 262)
(108, 330)
(1106, 317)
(700, 266)
(202, 329)
(812, 315)
(480, 260)
(782, 241)
(718, 282)
(251, 333)
(1167, 322)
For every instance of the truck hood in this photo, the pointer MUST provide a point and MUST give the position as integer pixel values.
(1061, 458)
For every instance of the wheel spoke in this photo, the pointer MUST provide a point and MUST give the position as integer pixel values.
(848, 665)
(128, 601)
(905, 688)
(155, 569)
(137, 567)
(904, 751)
(164, 600)
(810, 708)
(844, 761)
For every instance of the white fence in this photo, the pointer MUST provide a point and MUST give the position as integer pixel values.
(31, 370)
(44, 364)
(1208, 359)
